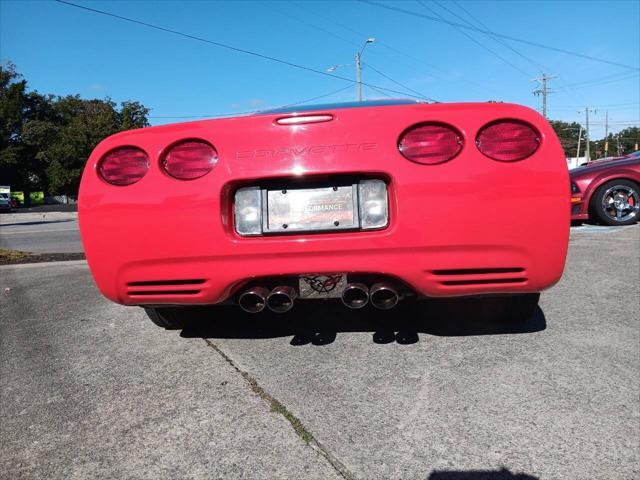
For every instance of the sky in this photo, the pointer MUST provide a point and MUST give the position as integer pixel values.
(61, 49)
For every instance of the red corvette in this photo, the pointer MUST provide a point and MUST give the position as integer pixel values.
(369, 202)
(607, 191)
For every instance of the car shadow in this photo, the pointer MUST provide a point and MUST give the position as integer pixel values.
(502, 474)
(319, 323)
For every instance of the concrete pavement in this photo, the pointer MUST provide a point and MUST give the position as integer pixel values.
(93, 389)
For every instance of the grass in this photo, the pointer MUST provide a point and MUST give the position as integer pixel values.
(10, 256)
(276, 406)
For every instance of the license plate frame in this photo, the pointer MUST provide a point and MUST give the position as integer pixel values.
(311, 209)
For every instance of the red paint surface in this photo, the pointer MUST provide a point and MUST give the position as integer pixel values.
(509, 220)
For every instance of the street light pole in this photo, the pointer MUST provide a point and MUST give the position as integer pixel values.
(579, 137)
(358, 77)
(587, 110)
(358, 67)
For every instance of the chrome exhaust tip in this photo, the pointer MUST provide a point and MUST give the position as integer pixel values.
(355, 295)
(383, 296)
(253, 300)
(281, 299)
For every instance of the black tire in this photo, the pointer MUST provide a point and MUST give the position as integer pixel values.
(169, 318)
(606, 216)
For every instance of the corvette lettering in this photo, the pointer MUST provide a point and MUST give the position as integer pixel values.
(308, 150)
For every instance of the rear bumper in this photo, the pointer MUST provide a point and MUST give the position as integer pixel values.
(433, 271)
(174, 255)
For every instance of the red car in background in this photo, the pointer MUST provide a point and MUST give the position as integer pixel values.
(368, 202)
(607, 191)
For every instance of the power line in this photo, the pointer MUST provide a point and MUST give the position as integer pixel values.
(538, 65)
(227, 47)
(322, 29)
(606, 77)
(508, 37)
(603, 81)
(396, 82)
(257, 111)
(599, 106)
(497, 39)
(397, 51)
(381, 92)
(477, 42)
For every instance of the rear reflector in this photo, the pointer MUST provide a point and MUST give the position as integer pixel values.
(124, 166)
(430, 143)
(190, 159)
(508, 140)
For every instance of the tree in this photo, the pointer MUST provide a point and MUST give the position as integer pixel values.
(132, 115)
(45, 140)
(568, 134)
(83, 124)
(623, 142)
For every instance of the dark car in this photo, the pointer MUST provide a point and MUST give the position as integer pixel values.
(607, 192)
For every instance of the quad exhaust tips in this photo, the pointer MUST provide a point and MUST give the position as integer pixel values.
(254, 299)
(281, 299)
(355, 295)
(383, 296)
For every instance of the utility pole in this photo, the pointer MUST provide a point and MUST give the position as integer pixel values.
(358, 67)
(587, 110)
(606, 134)
(543, 90)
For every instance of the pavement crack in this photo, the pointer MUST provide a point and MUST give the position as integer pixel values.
(276, 406)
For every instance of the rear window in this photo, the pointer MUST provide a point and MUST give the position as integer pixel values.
(334, 106)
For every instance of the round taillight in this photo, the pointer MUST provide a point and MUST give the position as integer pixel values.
(124, 166)
(430, 143)
(508, 140)
(190, 159)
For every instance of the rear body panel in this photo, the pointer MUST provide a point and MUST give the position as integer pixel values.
(468, 226)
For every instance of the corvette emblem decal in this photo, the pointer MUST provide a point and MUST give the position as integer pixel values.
(322, 283)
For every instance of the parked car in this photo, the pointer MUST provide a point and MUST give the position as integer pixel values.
(368, 202)
(5, 203)
(607, 191)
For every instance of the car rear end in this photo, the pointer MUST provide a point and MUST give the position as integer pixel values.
(434, 200)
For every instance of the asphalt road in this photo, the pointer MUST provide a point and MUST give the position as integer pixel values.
(41, 232)
(93, 390)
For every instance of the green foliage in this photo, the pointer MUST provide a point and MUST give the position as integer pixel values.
(623, 142)
(568, 135)
(620, 143)
(45, 140)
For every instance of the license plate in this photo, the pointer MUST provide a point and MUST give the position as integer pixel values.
(307, 209)
(322, 285)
